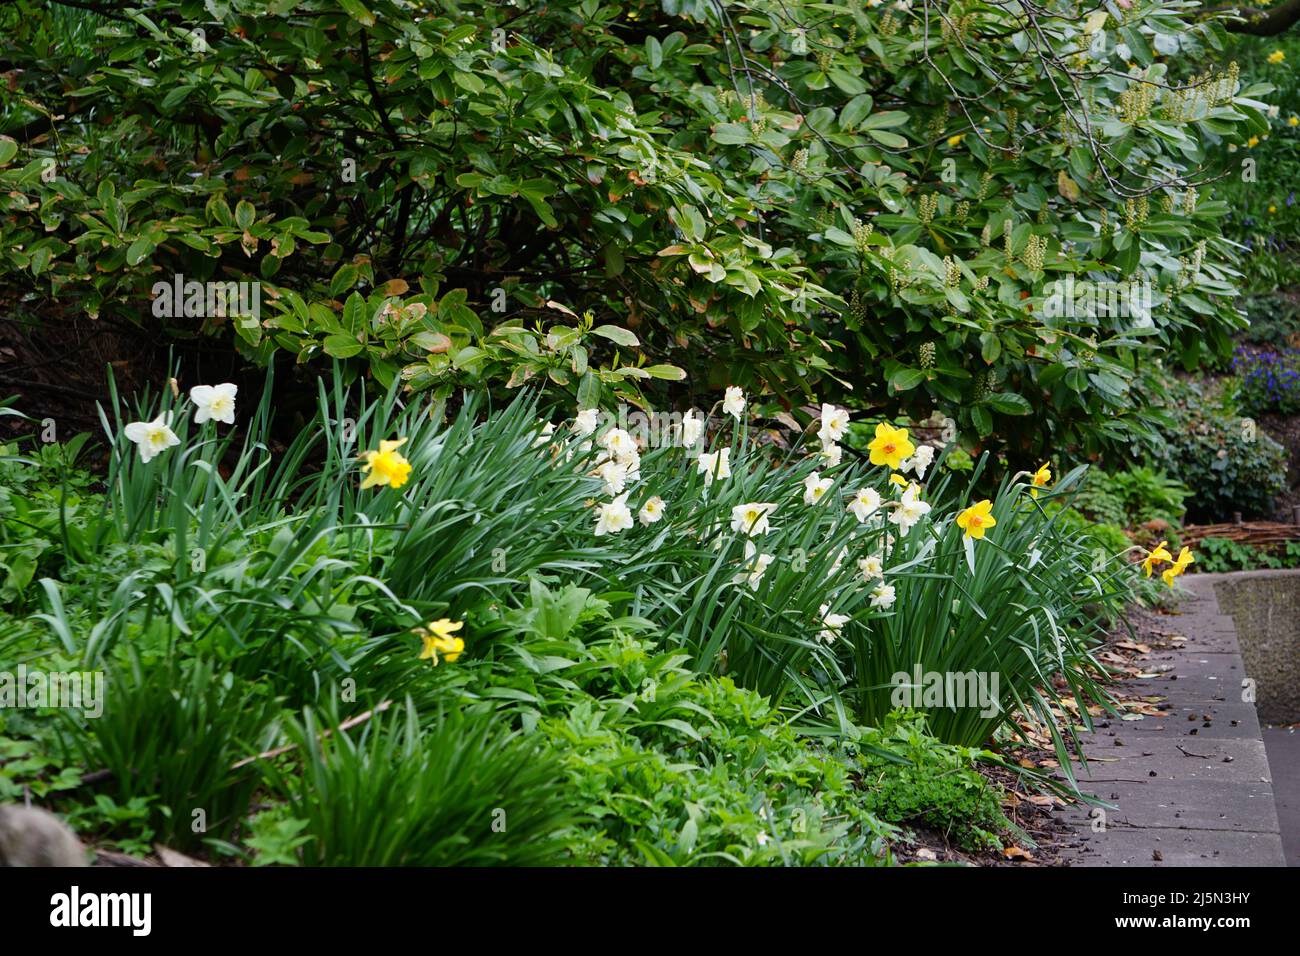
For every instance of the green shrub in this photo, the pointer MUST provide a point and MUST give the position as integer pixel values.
(1229, 463)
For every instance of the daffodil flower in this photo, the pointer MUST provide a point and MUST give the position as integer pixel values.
(831, 624)
(437, 639)
(909, 509)
(752, 518)
(386, 466)
(214, 402)
(865, 503)
(1041, 478)
(835, 422)
(714, 465)
(882, 596)
(613, 517)
(871, 567)
(977, 519)
(1185, 557)
(1159, 555)
(890, 446)
(651, 511)
(815, 487)
(733, 402)
(152, 438)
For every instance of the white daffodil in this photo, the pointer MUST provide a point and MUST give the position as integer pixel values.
(1273, 111)
(620, 444)
(835, 422)
(831, 625)
(909, 510)
(882, 596)
(838, 562)
(865, 503)
(715, 464)
(651, 511)
(756, 566)
(613, 517)
(814, 487)
(733, 403)
(692, 428)
(919, 461)
(752, 518)
(587, 421)
(871, 567)
(614, 475)
(152, 438)
(544, 435)
(215, 402)
(832, 454)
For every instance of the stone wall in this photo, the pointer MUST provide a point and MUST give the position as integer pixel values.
(1265, 608)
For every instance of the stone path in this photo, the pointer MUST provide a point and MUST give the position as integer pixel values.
(1191, 787)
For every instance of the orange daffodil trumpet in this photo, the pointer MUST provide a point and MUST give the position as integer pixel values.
(1159, 555)
(437, 639)
(386, 466)
(977, 519)
(890, 446)
(1180, 564)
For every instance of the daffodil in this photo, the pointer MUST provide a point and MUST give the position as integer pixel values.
(1185, 557)
(692, 428)
(977, 519)
(909, 509)
(386, 466)
(865, 503)
(613, 517)
(752, 518)
(544, 436)
(756, 566)
(620, 444)
(815, 487)
(871, 567)
(899, 480)
(1159, 555)
(835, 422)
(651, 511)
(1277, 56)
(1293, 121)
(919, 462)
(1252, 142)
(1040, 478)
(152, 438)
(832, 454)
(831, 624)
(956, 140)
(733, 402)
(438, 640)
(587, 421)
(715, 465)
(890, 446)
(882, 596)
(214, 402)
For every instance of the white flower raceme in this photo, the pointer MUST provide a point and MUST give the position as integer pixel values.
(909, 510)
(587, 421)
(614, 475)
(871, 567)
(865, 503)
(814, 487)
(215, 402)
(752, 518)
(831, 624)
(832, 454)
(692, 428)
(733, 403)
(152, 437)
(835, 422)
(613, 517)
(715, 464)
(544, 435)
(756, 566)
(882, 596)
(652, 510)
(919, 461)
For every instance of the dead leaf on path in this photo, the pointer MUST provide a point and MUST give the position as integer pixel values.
(1016, 853)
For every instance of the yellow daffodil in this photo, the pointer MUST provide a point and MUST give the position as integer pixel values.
(1277, 56)
(1293, 121)
(956, 140)
(1159, 555)
(1185, 557)
(1252, 142)
(977, 519)
(437, 638)
(890, 446)
(898, 480)
(1272, 209)
(1041, 477)
(386, 466)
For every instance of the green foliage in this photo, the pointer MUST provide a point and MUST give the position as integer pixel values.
(1224, 554)
(937, 787)
(1131, 497)
(1229, 463)
(433, 195)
